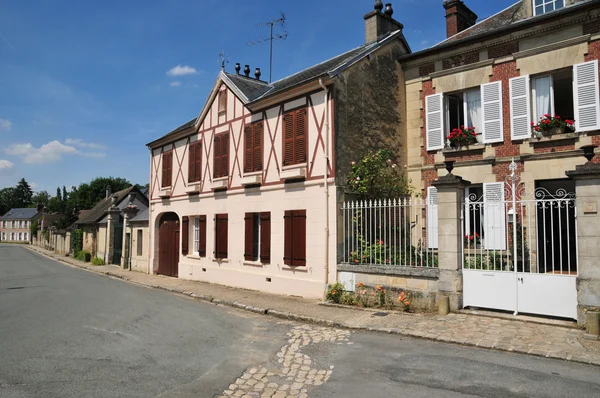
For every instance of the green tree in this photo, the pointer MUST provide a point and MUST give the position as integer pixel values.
(23, 193)
(7, 199)
(58, 195)
(41, 197)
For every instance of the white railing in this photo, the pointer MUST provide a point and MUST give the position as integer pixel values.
(390, 232)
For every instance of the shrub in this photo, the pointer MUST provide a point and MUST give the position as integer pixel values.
(84, 255)
(98, 261)
(335, 293)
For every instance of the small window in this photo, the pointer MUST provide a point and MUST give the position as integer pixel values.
(140, 242)
(221, 236)
(25, 236)
(295, 130)
(253, 147)
(257, 238)
(543, 6)
(294, 247)
(167, 169)
(545, 101)
(199, 248)
(222, 102)
(195, 162)
(464, 109)
(221, 156)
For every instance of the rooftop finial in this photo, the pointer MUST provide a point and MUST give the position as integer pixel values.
(378, 5)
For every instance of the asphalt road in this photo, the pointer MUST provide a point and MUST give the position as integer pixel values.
(66, 332)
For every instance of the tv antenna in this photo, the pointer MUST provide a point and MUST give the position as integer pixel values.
(224, 60)
(277, 36)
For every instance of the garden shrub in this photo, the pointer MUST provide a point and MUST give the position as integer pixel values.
(98, 261)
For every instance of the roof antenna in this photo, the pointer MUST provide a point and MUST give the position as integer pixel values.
(282, 36)
(224, 60)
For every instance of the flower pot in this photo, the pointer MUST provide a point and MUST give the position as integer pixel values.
(552, 131)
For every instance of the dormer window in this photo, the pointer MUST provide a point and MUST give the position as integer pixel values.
(544, 6)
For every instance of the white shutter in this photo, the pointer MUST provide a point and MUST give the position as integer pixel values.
(432, 218)
(520, 109)
(491, 104)
(434, 113)
(494, 216)
(587, 104)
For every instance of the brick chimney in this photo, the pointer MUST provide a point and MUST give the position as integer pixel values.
(378, 22)
(458, 17)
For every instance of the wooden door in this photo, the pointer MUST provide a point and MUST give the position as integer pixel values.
(168, 240)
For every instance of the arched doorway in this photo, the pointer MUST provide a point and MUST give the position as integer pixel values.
(168, 241)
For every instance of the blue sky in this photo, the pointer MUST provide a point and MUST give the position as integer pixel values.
(84, 85)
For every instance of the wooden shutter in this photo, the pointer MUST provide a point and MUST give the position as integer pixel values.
(249, 254)
(265, 238)
(185, 235)
(491, 106)
(217, 157)
(587, 103)
(520, 109)
(288, 139)
(225, 155)
(248, 149)
(299, 238)
(221, 236)
(257, 155)
(494, 216)
(432, 218)
(195, 162)
(434, 110)
(167, 168)
(300, 136)
(287, 237)
(202, 236)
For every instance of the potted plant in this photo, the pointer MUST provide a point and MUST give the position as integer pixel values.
(473, 240)
(551, 125)
(463, 136)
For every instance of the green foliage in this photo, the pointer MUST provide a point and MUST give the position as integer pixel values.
(522, 249)
(98, 261)
(77, 241)
(393, 255)
(377, 176)
(33, 227)
(15, 197)
(335, 293)
(84, 255)
(42, 197)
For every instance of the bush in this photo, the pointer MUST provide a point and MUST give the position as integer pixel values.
(335, 293)
(84, 255)
(98, 261)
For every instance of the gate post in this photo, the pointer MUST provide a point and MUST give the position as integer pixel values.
(587, 191)
(450, 192)
(128, 213)
(113, 218)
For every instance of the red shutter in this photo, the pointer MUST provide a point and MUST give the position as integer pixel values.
(217, 157)
(299, 238)
(300, 134)
(287, 237)
(249, 237)
(185, 235)
(225, 155)
(191, 162)
(265, 238)
(167, 168)
(202, 237)
(221, 236)
(288, 139)
(248, 149)
(198, 162)
(170, 171)
(258, 133)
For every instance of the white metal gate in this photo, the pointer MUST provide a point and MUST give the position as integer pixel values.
(520, 249)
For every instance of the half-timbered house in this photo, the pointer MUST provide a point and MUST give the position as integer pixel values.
(245, 194)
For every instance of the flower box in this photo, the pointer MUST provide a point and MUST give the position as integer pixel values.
(549, 126)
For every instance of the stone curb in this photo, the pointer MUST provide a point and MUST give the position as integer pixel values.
(328, 323)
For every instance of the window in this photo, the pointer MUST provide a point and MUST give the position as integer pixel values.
(464, 109)
(200, 236)
(544, 6)
(20, 236)
(195, 162)
(140, 242)
(480, 108)
(294, 246)
(294, 137)
(167, 168)
(25, 236)
(221, 156)
(545, 101)
(222, 102)
(257, 241)
(253, 147)
(221, 236)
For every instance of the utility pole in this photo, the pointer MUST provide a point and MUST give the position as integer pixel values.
(279, 36)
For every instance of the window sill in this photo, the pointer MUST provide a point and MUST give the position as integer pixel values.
(195, 257)
(252, 179)
(299, 171)
(298, 268)
(165, 192)
(253, 263)
(464, 150)
(220, 183)
(193, 187)
(294, 166)
(554, 138)
(220, 260)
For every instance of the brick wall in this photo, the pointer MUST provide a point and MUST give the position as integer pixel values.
(425, 70)
(503, 72)
(501, 170)
(427, 89)
(428, 177)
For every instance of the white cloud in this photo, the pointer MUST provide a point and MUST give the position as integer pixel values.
(47, 153)
(5, 124)
(176, 83)
(180, 70)
(5, 164)
(78, 142)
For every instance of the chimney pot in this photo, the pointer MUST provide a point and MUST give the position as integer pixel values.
(257, 73)
(247, 70)
(389, 11)
(237, 68)
(458, 17)
(108, 191)
(378, 5)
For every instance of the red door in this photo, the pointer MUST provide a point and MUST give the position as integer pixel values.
(168, 240)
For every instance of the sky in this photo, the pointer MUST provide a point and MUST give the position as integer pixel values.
(85, 85)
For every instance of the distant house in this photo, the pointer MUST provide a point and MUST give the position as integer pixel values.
(139, 239)
(15, 225)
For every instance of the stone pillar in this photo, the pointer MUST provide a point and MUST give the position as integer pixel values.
(587, 191)
(450, 192)
(128, 213)
(113, 219)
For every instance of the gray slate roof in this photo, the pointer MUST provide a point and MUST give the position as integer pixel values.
(99, 211)
(142, 216)
(20, 214)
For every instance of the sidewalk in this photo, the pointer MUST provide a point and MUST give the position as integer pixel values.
(481, 331)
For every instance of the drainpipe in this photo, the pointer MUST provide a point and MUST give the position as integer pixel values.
(325, 177)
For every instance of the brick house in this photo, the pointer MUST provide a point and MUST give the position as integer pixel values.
(15, 225)
(246, 193)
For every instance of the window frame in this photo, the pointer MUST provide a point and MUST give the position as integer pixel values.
(167, 171)
(533, 79)
(196, 237)
(257, 237)
(543, 5)
(463, 93)
(140, 242)
(298, 156)
(195, 162)
(252, 150)
(224, 153)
